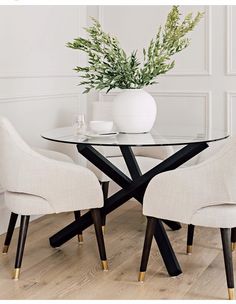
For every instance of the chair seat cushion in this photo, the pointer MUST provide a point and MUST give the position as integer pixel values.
(27, 204)
(219, 216)
(145, 164)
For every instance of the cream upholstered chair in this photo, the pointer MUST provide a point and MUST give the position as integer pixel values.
(13, 218)
(147, 157)
(203, 156)
(204, 195)
(35, 185)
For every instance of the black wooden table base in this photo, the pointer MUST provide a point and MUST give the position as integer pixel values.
(131, 187)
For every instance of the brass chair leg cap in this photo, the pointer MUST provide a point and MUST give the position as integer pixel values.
(16, 274)
(231, 293)
(103, 229)
(80, 238)
(233, 246)
(5, 249)
(189, 249)
(141, 276)
(104, 265)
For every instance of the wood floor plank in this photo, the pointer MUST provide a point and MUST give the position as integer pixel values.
(74, 271)
(212, 282)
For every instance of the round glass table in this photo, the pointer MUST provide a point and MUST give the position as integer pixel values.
(178, 136)
(193, 143)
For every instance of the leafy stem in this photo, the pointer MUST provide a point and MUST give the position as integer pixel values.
(110, 67)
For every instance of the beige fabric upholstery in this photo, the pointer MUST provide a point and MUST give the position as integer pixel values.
(161, 152)
(204, 194)
(213, 148)
(20, 201)
(63, 185)
(155, 154)
(54, 155)
(27, 204)
(219, 216)
(145, 164)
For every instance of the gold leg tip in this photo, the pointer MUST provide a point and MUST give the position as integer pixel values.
(189, 249)
(105, 265)
(5, 249)
(233, 246)
(16, 274)
(231, 293)
(141, 276)
(80, 238)
(103, 229)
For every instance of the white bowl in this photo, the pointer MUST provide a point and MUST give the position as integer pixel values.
(101, 126)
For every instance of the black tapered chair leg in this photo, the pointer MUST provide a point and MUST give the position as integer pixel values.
(96, 216)
(105, 189)
(151, 224)
(24, 223)
(233, 239)
(190, 235)
(77, 215)
(10, 230)
(226, 244)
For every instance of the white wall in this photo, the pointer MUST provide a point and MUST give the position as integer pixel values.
(38, 88)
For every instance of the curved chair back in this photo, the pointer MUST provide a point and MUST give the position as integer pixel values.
(189, 189)
(220, 169)
(227, 166)
(14, 153)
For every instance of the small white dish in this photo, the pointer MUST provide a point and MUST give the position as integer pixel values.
(101, 126)
(102, 135)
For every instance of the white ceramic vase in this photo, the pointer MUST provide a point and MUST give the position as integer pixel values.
(134, 111)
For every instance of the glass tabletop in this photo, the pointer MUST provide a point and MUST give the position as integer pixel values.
(181, 135)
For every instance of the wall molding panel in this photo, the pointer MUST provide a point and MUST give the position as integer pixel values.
(230, 111)
(229, 18)
(37, 98)
(206, 99)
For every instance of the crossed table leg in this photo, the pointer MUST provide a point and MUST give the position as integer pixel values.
(134, 187)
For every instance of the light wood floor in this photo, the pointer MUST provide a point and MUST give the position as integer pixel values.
(73, 271)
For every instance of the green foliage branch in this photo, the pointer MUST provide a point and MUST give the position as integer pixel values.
(110, 67)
